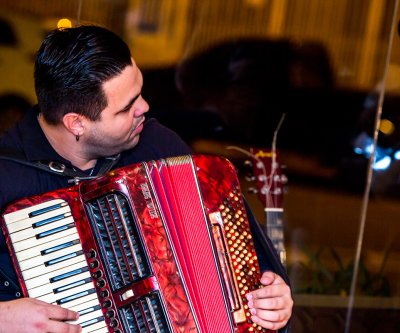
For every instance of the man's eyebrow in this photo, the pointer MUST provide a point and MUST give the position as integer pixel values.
(129, 105)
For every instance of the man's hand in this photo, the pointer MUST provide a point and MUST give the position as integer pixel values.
(271, 306)
(28, 315)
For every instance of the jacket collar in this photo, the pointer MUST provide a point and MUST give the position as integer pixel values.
(36, 146)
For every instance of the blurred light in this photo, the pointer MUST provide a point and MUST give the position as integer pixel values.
(369, 148)
(255, 3)
(382, 164)
(358, 151)
(64, 23)
(396, 155)
(386, 127)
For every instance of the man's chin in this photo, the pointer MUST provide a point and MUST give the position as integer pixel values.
(132, 143)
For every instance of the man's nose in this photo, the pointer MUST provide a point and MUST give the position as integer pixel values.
(142, 107)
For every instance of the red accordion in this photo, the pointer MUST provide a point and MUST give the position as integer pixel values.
(160, 246)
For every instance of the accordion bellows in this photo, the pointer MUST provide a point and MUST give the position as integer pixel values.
(159, 246)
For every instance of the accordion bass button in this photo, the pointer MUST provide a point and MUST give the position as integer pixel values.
(103, 293)
(101, 283)
(106, 303)
(91, 254)
(94, 264)
(110, 314)
(113, 323)
(97, 274)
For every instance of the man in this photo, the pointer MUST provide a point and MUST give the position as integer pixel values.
(90, 109)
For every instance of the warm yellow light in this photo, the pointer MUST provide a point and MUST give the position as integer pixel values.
(64, 23)
(386, 127)
(256, 3)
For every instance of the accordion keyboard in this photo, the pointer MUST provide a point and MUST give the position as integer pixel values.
(52, 261)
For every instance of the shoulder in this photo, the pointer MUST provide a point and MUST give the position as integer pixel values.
(18, 181)
(154, 131)
(157, 141)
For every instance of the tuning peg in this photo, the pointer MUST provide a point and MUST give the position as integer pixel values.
(248, 163)
(262, 178)
(284, 179)
(250, 178)
(260, 165)
(277, 178)
(252, 190)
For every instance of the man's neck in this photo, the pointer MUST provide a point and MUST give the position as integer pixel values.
(66, 145)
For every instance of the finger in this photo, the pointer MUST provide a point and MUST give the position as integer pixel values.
(268, 278)
(274, 290)
(55, 326)
(268, 324)
(59, 313)
(273, 303)
(279, 316)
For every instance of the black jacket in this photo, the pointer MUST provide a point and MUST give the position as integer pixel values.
(18, 181)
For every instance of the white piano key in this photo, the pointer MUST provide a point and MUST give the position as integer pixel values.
(44, 278)
(90, 316)
(100, 330)
(33, 242)
(48, 289)
(51, 298)
(24, 213)
(42, 259)
(34, 251)
(97, 330)
(21, 225)
(95, 327)
(30, 233)
(43, 270)
(80, 303)
(89, 301)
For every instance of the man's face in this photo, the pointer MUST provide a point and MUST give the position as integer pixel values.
(122, 120)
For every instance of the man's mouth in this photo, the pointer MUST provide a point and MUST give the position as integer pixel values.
(138, 128)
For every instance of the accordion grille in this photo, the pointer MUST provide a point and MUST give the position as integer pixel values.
(146, 315)
(118, 239)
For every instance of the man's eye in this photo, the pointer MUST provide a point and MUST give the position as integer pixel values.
(125, 110)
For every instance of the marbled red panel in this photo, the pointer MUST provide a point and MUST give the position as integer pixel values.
(221, 192)
(157, 245)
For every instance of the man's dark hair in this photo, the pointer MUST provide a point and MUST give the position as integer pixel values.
(71, 66)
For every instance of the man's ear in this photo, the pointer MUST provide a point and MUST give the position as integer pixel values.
(73, 122)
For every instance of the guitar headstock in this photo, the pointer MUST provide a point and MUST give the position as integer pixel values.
(270, 181)
(269, 178)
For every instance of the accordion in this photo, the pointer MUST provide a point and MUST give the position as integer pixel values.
(161, 246)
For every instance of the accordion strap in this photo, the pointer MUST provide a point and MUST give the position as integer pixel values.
(57, 168)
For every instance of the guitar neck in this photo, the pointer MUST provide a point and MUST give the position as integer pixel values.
(274, 230)
(269, 181)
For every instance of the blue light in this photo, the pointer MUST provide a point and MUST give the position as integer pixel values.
(382, 164)
(358, 151)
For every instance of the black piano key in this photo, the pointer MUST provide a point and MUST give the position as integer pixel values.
(72, 285)
(46, 209)
(75, 296)
(55, 230)
(59, 247)
(88, 310)
(48, 220)
(68, 274)
(63, 258)
(92, 321)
